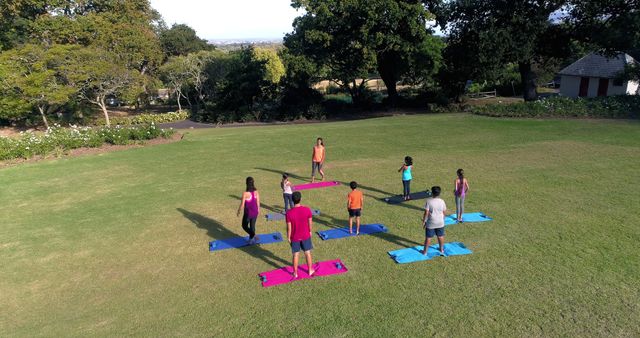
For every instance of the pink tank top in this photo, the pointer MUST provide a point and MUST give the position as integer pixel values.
(251, 206)
(460, 188)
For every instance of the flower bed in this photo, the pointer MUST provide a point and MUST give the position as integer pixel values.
(146, 119)
(57, 139)
(615, 107)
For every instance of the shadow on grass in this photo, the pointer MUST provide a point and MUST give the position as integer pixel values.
(217, 231)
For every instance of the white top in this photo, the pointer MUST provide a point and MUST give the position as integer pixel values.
(286, 188)
(436, 207)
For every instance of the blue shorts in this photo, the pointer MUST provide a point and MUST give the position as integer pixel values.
(305, 246)
(355, 212)
(435, 232)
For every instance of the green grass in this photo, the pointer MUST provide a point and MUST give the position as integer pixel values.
(116, 244)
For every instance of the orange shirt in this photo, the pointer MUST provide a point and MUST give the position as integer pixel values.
(318, 154)
(355, 199)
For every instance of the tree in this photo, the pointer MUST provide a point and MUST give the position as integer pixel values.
(99, 75)
(485, 35)
(33, 78)
(353, 39)
(181, 39)
(175, 75)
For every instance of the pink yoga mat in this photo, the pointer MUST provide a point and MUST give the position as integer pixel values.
(285, 275)
(316, 185)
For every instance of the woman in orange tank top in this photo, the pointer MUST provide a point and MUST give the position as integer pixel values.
(317, 159)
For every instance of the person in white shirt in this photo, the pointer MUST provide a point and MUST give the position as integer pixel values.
(433, 219)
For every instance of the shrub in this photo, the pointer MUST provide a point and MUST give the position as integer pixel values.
(58, 139)
(600, 107)
(146, 119)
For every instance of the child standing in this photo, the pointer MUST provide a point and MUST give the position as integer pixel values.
(355, 202)
(299, 228)
(461, 187)
(317, 159)
(251, 204)
(406, 177)
(286, 192)
(433, 220)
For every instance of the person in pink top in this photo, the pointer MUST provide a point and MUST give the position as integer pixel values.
(251, 204)
(460, 191)
(299, 225)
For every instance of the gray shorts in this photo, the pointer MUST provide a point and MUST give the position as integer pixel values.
(315, 166)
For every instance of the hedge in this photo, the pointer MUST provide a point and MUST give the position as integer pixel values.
(614, 107)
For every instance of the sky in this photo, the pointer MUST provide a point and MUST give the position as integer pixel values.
(230, 19)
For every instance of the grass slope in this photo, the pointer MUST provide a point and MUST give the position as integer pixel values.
(116, 244)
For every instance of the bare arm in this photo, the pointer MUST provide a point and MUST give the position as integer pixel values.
(402, 168)
(258, 200)
(425, 217)
(289, 231)
(241, 204)
(466, 185)
(324, 153)
(311, 226)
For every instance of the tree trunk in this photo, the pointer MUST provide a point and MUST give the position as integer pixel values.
(44, 117)
(528, 78)
(103, 106)
(178, 97)
(386, 69)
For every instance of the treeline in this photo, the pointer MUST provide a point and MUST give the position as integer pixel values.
(68, 58)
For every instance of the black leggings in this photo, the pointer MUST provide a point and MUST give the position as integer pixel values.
(249, 225)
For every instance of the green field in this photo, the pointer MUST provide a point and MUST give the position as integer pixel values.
(117, 244)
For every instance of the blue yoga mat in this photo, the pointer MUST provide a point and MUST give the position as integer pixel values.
(365, 229)
(414, 254)
(470, 217)
(238, 242)
(277, 216)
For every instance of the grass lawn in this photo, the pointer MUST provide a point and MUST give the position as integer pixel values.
(117, 244)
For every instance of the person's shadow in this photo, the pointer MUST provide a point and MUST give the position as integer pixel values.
(216, 231)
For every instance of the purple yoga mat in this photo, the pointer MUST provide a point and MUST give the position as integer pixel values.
(315, 185)
(285, 275)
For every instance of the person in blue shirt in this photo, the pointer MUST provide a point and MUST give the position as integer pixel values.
(406, 168)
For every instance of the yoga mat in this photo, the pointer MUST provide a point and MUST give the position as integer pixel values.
(468, 217)
(414, 254)
(277, 216)
(285, 275)
(238, 242)
(365, 229)
(316, 185)
(415, 196)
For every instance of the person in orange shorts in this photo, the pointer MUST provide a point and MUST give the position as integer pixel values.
(355, 202)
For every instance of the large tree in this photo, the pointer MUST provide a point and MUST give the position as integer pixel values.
(485, 35)
(353, 39)
(181, 39)
(33, 77)
(100, 74)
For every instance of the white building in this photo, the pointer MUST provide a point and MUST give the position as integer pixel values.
(595, 75)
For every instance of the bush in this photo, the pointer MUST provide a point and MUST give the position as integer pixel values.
(615, 107)
(146, 119)
(59, 139)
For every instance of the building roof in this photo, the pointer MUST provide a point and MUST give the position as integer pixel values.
(596, 65)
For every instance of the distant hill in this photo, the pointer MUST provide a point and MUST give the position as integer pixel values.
(235, 44)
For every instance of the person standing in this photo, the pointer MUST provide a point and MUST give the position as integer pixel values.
(317, 159)
(355, 202)
(433, 220)
(251, 204)
(406, 177)
(460, 191)
(286, 192)
(299, 229)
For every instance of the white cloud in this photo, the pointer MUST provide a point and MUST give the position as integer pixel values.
(220, 19)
